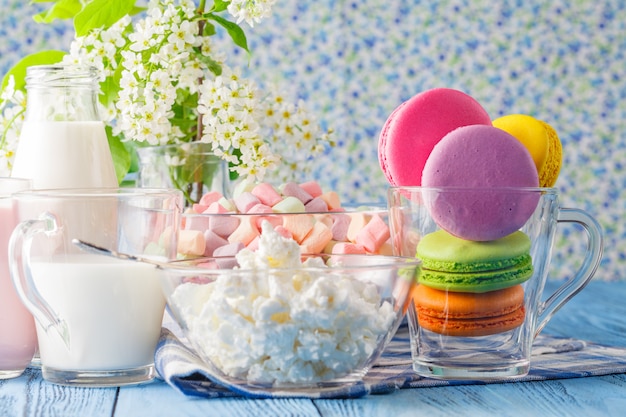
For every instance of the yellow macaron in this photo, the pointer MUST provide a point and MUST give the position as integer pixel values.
(540, 139)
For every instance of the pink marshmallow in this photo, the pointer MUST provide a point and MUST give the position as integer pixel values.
(266, 193)
(215, 208)
(332, 200)
(224, 225)
(198, 208)
(263, 209)
(260, 208)
(283, 232)
(291, 189)
(246, 231)
(245, 201)
(299, 225)
(317, 239)
(254, 245)
(316, 205)
(199, 279)
(225, 255)
(341, 223)
(312, 187)
(212, 241)
(195, 222)
(183, 219)
(191, 242)
(345, 248)
(208, 265)
(373, 235)
(210, 197)
(230, 249)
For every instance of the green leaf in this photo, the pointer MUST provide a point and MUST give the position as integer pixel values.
(209, 29)
(101, 14)
(136, 10)
(61, 9)
(121, 155)
(236, 33)
(110, 87)
(219, 6)
(211, 64)
(38, 58)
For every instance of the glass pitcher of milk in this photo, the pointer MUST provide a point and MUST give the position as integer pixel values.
(63, 143)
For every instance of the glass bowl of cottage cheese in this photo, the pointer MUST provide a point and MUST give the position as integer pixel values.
(275, 318)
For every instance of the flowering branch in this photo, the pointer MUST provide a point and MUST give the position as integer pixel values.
(165, 82)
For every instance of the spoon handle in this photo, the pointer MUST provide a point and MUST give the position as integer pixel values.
(98, 250)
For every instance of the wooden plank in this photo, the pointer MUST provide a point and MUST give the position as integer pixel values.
(159, 399)
(596, 314)
(30, 395)
(599, 396)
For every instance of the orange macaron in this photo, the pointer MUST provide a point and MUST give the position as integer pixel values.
(469, 314)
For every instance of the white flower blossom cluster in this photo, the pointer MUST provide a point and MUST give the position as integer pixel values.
(168, 81)
(12, 108)
(250, 11)
(236, 117)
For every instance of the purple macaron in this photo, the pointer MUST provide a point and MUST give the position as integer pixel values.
(482, 175)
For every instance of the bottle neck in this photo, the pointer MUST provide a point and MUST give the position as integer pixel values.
(62, 93)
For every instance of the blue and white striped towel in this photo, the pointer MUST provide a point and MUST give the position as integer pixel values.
(553, 358)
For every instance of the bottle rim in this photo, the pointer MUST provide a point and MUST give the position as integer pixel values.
(62, 75)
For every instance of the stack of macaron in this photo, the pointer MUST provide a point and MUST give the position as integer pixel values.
(471, 169)
(472, 288)
(219, 226)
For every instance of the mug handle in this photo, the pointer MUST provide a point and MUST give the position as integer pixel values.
(586, 271)
(19, 255)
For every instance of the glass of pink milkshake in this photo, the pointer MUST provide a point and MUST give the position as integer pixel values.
(18, 340)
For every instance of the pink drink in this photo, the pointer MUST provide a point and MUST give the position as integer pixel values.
(18, 340)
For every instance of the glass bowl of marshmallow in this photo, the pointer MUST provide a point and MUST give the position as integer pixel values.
(218, 226)
(272, 317)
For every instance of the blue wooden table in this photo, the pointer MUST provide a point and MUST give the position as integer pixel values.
(597, 314)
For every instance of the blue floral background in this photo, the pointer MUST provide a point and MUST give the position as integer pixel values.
(354, 61)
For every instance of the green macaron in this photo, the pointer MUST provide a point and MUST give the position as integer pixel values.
(454, 264)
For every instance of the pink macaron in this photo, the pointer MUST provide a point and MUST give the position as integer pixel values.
(480, 177)
(417, 125)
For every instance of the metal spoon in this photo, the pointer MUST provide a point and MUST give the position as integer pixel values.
(98, 250)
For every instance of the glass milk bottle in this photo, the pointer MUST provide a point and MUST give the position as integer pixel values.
(63, 143)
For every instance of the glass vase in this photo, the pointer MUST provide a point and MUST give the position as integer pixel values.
(190, 167)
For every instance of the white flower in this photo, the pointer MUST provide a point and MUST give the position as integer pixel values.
(250, 11)
(183, 34)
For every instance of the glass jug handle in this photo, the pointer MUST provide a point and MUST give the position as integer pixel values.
(19, 259)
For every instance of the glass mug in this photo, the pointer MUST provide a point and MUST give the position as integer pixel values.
(98, 318)
(503, 353)
(18, 340)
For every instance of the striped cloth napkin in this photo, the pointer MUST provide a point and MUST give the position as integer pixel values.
(552, 358)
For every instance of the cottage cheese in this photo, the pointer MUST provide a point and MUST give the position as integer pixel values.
(282, 327)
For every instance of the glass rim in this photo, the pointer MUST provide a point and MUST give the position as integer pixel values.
(374, 262)
(461, 188)
(369, 208)
(11, 185)
(97, 192)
